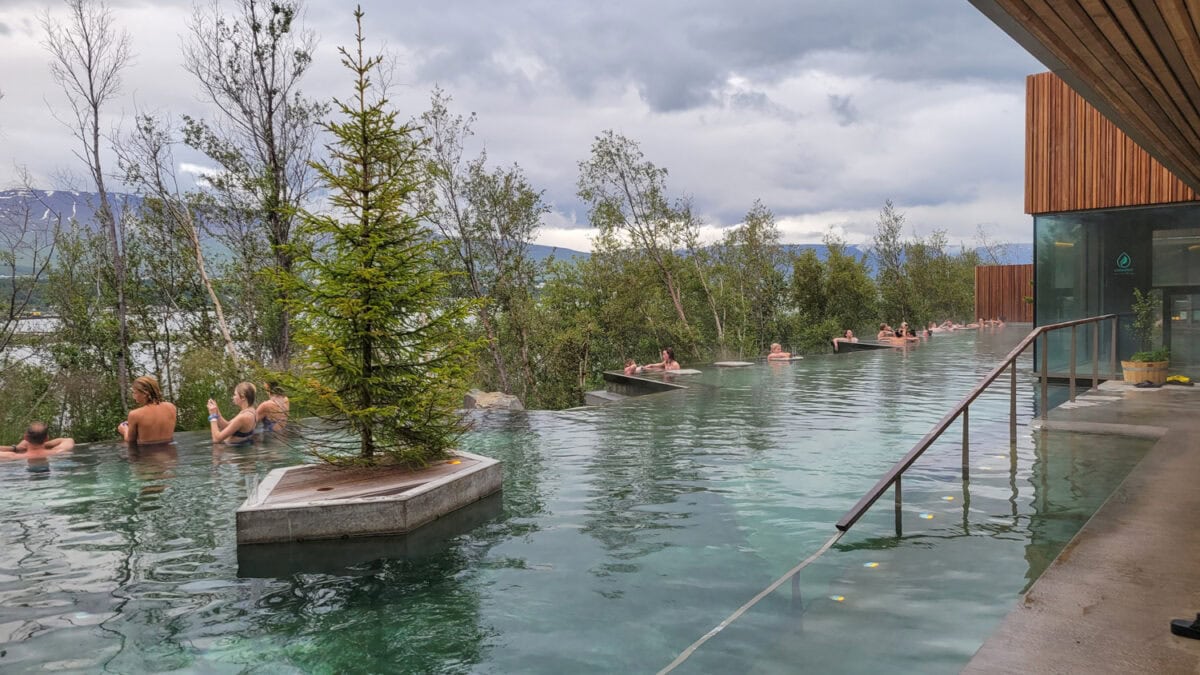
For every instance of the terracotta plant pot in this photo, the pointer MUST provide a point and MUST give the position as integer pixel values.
(1140, 371)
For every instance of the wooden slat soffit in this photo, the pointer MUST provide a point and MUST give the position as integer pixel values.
(1137, 61)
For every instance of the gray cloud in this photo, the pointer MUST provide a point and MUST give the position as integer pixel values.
(843, 109)
(678, 53)
(820, 108)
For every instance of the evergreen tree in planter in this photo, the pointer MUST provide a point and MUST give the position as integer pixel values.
(382, 345)
(1146, 363)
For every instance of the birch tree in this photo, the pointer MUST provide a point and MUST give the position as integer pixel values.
(88, 55)
(488, 217)
(249, 64)
(626, 194)
(148, 161)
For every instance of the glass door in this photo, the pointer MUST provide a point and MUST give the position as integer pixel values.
(1183, 313)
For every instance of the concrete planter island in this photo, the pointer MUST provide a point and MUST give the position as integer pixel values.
(318, 501)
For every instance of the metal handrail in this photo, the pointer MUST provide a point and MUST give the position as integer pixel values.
(893, 476)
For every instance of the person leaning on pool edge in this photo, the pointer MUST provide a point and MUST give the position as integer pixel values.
(36, 443)
(848, 336)
(777, 353)
(668, 361)
(154, 421)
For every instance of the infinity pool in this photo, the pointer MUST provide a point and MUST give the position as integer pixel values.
(623, 534)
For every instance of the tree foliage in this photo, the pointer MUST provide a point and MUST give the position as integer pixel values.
(88, 56)
(382, 345)
(627, 201)
(249, 64)
(488, 217)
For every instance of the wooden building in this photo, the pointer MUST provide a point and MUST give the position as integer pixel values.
(1112, 163)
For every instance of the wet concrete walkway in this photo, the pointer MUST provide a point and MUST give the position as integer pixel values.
(1106, 603)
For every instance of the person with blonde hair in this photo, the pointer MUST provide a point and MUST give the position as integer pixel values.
(240, 429)
(777, 353)
(154, 421)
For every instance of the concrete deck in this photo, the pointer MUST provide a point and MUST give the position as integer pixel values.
(1106, 603)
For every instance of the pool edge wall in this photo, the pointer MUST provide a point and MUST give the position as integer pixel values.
(260, 523)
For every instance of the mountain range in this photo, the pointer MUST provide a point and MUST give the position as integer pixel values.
(43, 206)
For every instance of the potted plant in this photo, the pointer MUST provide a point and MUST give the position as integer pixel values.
(1148, 363)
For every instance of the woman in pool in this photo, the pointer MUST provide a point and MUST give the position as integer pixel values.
(668, 361)
(240, 429)
(154, 421)
(777, 353)
(274, 411)
(885, 332)
(848, 336)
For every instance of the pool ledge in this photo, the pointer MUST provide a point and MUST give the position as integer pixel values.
(1106, 602)
(318, 501)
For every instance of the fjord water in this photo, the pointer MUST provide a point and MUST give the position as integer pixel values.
(623, 534)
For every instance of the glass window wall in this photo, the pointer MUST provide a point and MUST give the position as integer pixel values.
(1088, 263)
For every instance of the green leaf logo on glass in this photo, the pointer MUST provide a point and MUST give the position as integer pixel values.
(1124, 262)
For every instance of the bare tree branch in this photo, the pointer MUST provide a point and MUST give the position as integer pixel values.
(87, 57)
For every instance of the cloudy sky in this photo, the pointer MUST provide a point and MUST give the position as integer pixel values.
(823, 109)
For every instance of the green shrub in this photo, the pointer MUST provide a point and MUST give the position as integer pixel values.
(204, 373)
(1152, 355)
(1145, 319)
(28, 396)
(91, 404)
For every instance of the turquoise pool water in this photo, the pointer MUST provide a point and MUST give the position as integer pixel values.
(623, 534)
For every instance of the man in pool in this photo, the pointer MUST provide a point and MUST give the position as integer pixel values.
(777, 353)
(37, 443)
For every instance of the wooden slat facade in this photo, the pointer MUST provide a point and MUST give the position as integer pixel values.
(1000, 291)
(1076, 159)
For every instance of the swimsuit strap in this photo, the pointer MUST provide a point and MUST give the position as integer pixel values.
(244, 434)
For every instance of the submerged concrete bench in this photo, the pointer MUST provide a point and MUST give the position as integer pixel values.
(602, 397)
(637, 385)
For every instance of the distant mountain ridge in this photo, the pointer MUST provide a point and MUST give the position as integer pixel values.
(44, 205)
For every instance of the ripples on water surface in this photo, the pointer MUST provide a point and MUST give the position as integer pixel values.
(623, 534)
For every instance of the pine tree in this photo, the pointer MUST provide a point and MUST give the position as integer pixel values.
(382, 345)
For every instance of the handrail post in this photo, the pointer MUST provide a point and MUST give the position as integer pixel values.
(1012, 404)
(1071, 388)
(892, 479)
(1096, 356)
(966, 442)
(1045, 373)
(1112, 355)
